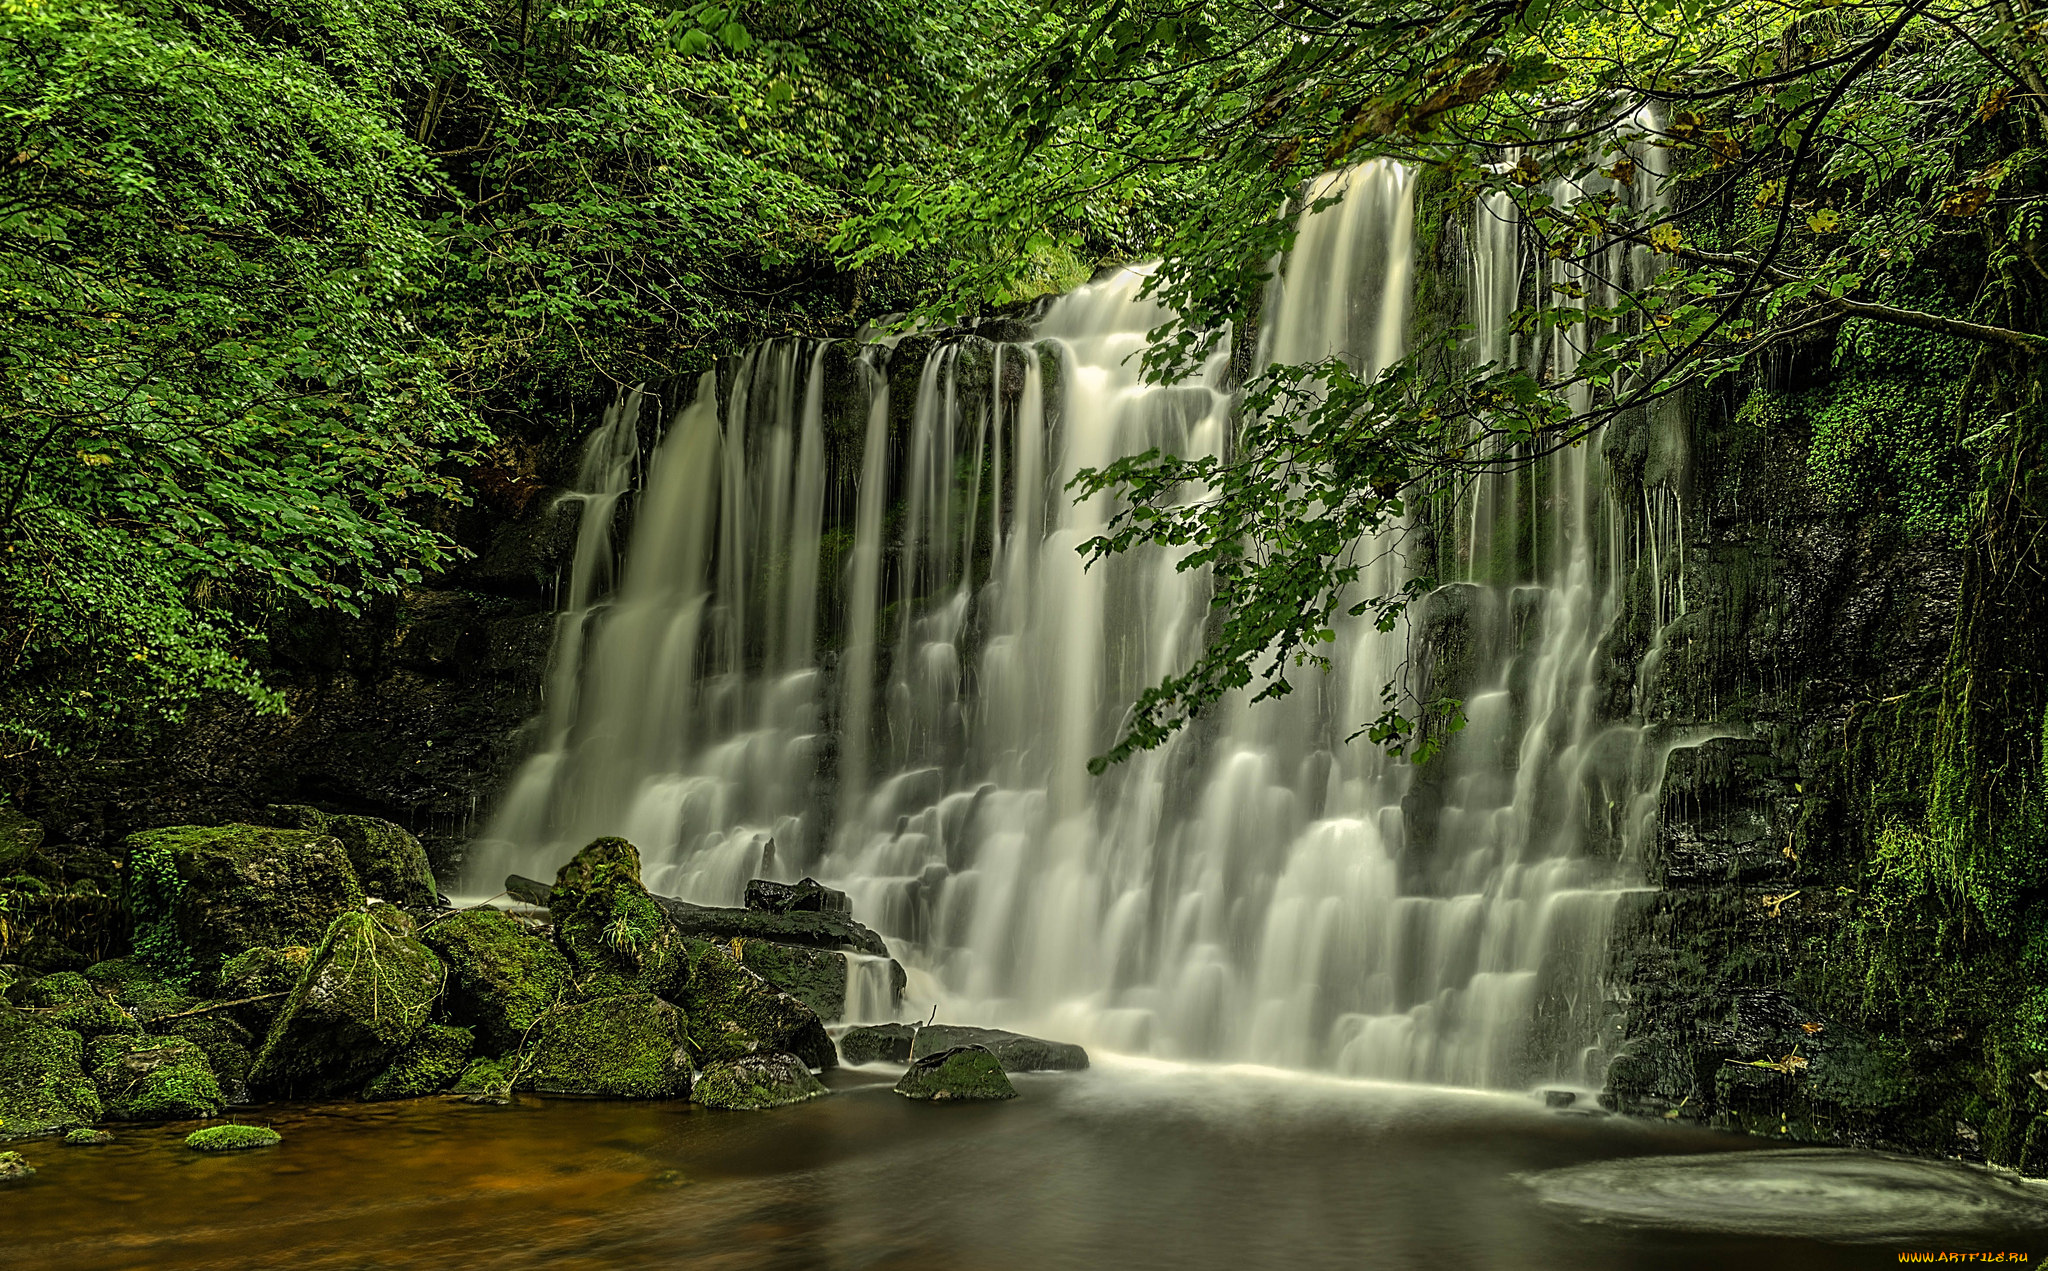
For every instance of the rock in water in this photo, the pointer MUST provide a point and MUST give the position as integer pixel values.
(617, 938)
(501, 977)
(962, 1073)
(366, 993)
(756, 1081)
(389, 863)
(43, 1086)
(14, 1167)
(232, 1138)
(735, 1012)
(486, 1081)
(431, 1064)
(154, 1079)
(812, 930)
(88, 1138)
(877, 1044)
(240, 886)
(529, 891)
(808, 896)
(1015, 1051)
(815, 977)
(628, 1047)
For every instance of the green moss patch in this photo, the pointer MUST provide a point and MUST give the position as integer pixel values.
(756, 1081)
(154, 1079)
(366, 993)
(88, 1138)
(965, 1073)
(734, 1012)
(232, 1138)
(429, 1065)
(627, 1047)
(501, 977)
(43, 1086)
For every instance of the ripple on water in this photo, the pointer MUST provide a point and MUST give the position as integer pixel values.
(1816, 1193)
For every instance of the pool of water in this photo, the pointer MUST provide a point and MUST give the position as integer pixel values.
(1129, 1165)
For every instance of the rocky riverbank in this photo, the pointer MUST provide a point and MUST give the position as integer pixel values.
(312, 958)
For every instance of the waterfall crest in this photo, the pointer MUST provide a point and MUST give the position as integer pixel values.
(853, 638)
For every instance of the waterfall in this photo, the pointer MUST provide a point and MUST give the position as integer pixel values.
(853, 638)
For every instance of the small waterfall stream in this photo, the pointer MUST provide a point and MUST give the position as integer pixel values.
(853, 638)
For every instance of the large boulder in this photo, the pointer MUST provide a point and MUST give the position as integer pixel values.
(1015, 1051)
(615, 935)
(734, 1012)
(214, 892)
(154, 1079)
(877, 1044)
(229, 1047)
(138, 987)
(965, 1073)
(768, 1080)
(258, 978)
(431, 1064)
(501, 977)
(389, 862)
(634, 1046)
(366, 993)
(43, 1086)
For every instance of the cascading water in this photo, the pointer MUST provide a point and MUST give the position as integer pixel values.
(854, 638)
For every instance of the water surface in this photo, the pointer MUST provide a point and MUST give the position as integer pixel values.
(1131, 1165)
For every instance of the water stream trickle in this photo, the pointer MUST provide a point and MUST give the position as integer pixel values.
(854, 639)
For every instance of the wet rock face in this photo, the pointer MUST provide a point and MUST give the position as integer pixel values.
(815, 977)
(753, 1082)
(634, 1046)
(807, 896)
(1015, 1051)
(962, 1074)
(877, 1044)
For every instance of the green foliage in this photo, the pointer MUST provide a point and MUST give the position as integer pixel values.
(153, 891)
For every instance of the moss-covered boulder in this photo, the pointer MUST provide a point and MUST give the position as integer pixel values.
(43, 1086)
(965, 1073)
(88, 1138)
(229, 1047)
(487, 1080)
(616, 936)
(633, 1046)
(501, 977)
(232, 1138)
(878, 1043)
(366, 993)
(756, 1081)
(227, 889)
(389, 863)
(69, 1000)
(14, 1167)
(815, 977)
(430, 1064)
(154, 1079)
(257, 978)
(734, 1012)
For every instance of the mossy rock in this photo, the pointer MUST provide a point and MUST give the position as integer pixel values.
(43, 1086)
(617, 938)
(431, 1064)
(69, 1000)
(756, 1081)
(154, 1079)
(390, 864)
(232, 1138)
(366, 993)
(734, 1012)
(262, 973)
(14, 1167)
(501, 977)
(1014, 1051)
(229, 1047)
(486, 1080)
(243, 886)
(965, 1073)
(88, 1138)
(132, 983)
(815, 977)
(629, 1047)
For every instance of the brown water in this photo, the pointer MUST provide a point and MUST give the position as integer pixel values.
(1127, 1166)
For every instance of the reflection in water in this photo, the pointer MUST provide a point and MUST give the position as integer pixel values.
(1130, 1165)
